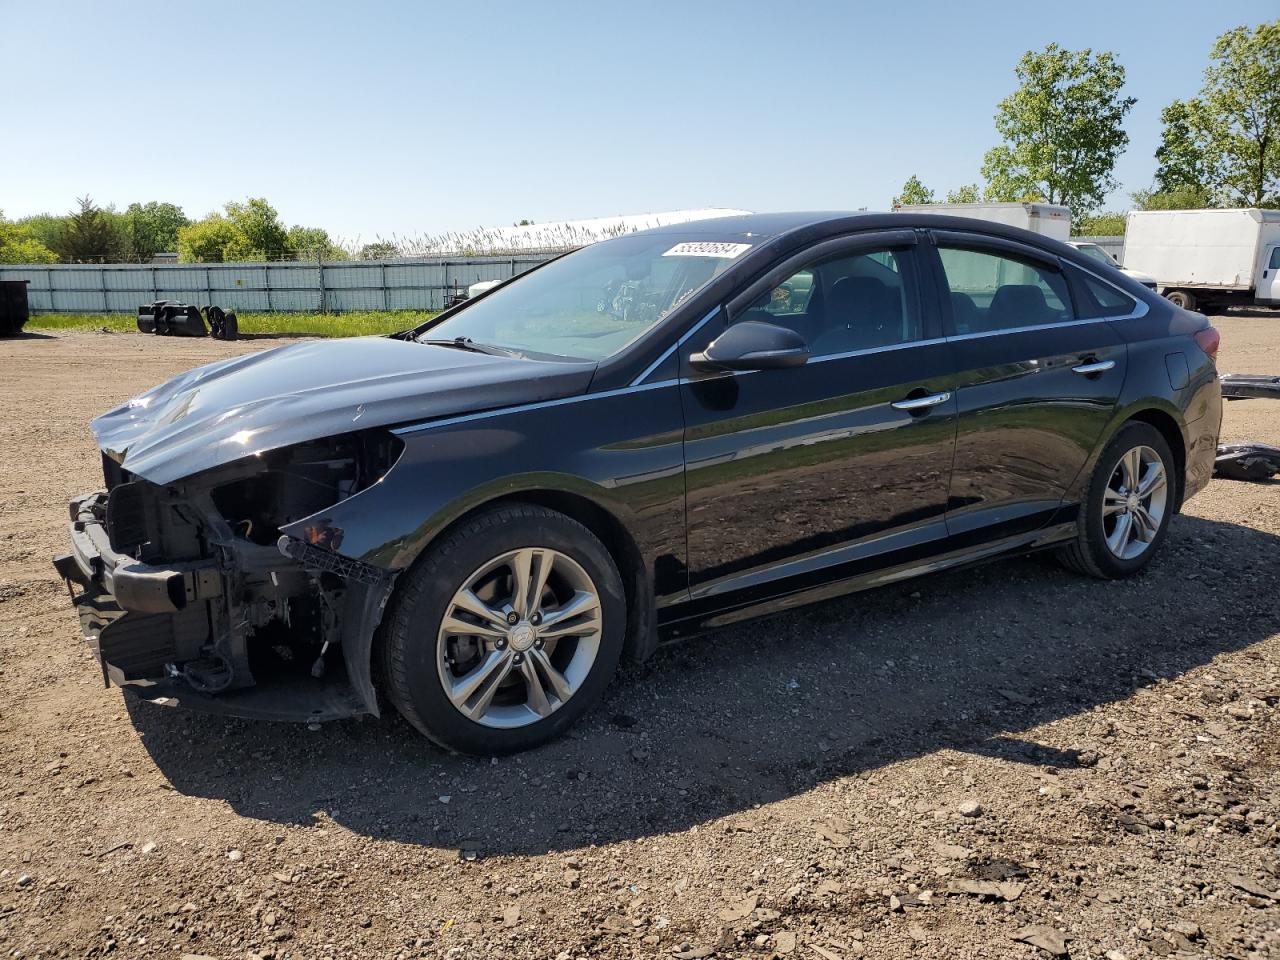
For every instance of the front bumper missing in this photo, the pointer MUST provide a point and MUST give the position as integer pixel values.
(142, 620)
(92, 563)
(136, 616)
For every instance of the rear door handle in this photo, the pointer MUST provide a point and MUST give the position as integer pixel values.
(1097, 366)
(916, 404)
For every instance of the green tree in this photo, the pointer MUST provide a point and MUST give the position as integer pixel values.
(1062, 130)
(1181, 155)
(207, 240)
(17, 245)
(45, 227)
(93, 235)
(1176, 198)
(1109, 224)
(1237, 115)
(313, 243)
(965, 194)
(259, 233)
(381, 250)
(913, 191)
(153, 227)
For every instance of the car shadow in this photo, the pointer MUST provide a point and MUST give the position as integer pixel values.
(28, 335)
(764, 710)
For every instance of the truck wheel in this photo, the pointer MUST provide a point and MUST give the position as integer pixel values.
(1181, 298)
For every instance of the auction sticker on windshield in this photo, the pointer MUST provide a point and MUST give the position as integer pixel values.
(708, 248)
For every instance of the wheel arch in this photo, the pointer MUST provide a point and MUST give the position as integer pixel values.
(1157, 413)
(1171, 430)
(605, 522)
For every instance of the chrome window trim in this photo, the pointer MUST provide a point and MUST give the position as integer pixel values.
(666, 354)
(526, 407)
(1136, 314)
(866, 351)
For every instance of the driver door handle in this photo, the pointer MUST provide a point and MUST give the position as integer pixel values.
(1097, 366)
(916, 404)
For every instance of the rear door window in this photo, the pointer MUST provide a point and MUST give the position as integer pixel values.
(991, 292)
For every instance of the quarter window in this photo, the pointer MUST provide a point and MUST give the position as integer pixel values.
(845, 303)
(1099, 299)
(1274, 262)
(990, 292)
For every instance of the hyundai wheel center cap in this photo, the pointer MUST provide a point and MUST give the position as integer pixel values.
(522, 637)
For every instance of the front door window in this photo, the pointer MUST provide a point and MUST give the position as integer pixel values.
(845, 303)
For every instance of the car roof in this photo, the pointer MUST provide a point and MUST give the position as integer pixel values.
(751, 224)
(830, 222)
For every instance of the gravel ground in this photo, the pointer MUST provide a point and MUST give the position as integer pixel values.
(1003, 762)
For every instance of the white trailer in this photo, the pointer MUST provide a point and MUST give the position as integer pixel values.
(1208, 259)
(1046, 219)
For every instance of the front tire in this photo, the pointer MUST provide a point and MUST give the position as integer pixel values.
(1181, 298)
(505, 632)
(1127, 508)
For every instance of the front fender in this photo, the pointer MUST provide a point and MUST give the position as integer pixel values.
(620, 451)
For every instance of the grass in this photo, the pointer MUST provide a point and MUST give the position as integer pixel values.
(315, 324)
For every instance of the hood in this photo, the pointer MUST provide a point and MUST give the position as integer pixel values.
(235, 408)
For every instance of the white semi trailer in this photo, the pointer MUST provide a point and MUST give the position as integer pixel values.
(1208, 259)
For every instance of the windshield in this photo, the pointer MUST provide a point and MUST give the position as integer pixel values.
(592, 303)
(1095, 251)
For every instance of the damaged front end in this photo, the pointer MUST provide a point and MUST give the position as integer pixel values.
(191, 594)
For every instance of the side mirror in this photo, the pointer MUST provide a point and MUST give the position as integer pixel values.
(753, 345)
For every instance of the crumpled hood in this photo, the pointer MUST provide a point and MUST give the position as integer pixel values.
(244, 405)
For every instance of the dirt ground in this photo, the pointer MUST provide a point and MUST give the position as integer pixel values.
(1003, 762)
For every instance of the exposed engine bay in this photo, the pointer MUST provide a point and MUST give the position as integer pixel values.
(194, 585)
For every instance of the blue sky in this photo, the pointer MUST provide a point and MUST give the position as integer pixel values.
(373, 119)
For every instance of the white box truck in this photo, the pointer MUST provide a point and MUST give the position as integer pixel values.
(1047, 219)
(1208, 259)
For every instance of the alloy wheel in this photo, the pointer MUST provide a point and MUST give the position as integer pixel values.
(519, 637)
(1134, 503)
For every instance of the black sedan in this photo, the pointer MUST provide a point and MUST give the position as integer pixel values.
(475, 520)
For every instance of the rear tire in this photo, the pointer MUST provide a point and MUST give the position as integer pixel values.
(1181, 298)
(1121, 528)
(479, 666)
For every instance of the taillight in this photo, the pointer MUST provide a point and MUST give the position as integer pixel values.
(1208, 340)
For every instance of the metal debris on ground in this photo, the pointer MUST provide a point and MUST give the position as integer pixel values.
(1246, 386)
(1247, 461)
(171, 318)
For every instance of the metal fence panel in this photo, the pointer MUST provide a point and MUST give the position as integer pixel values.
(290, 286)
